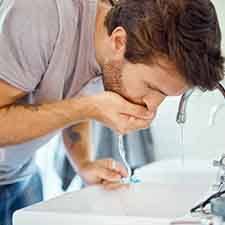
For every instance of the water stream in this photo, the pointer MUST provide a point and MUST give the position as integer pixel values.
(122, 152)
(182, 149)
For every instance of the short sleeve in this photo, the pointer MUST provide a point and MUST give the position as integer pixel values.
(28, 32)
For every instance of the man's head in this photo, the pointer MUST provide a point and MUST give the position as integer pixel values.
(150, 49)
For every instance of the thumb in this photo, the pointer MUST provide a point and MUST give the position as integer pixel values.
(109, 175)
(115, 166)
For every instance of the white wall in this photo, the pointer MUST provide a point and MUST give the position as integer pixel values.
(200, 140)
(220, 7)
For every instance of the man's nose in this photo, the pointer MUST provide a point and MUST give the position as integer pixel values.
(153, 100)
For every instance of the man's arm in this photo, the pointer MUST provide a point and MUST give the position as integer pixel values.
(78, 144)
(77, 140)
(21, 123)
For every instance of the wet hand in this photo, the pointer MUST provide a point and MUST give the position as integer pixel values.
(119, 114)
(104, 171)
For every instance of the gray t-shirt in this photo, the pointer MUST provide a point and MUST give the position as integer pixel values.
(47, 50)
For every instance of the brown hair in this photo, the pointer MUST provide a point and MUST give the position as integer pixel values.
(185, 31)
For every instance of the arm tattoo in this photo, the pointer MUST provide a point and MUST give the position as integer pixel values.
(74, 136)
(29, 107)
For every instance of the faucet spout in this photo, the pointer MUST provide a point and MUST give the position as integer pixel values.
(221, 89)
(181, 114)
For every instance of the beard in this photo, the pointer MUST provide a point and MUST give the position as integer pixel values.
(113, 80)
(112, 76)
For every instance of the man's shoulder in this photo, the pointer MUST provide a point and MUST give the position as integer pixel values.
(36, 20)
(37, 5)
(29, 10)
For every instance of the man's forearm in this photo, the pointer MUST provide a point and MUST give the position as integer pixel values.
(21, 123)
(101, 172)
(77, 140)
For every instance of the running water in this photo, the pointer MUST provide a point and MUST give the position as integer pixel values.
(182, 153)
(123, 155)
(122, 152)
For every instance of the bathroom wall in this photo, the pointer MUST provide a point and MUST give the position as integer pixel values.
(201, 141)
(220, 7)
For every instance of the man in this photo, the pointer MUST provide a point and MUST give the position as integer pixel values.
(146, 49)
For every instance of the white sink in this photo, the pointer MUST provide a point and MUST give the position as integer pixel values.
(199, 172)
(152, 202)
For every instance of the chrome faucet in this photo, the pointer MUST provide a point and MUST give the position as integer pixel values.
(181, 114)
(220, 164)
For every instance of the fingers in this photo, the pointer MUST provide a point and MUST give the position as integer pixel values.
(109, 186)
(138, 111)
(112, 171)
(121, 169)
(133, 124)
(136, 124)
(120, 114)
(116, 167)
(109, 175)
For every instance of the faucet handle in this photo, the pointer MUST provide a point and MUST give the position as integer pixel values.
(220, 163)
(216, 163)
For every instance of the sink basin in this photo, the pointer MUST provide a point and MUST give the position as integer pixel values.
(158, 200)
(178, 172)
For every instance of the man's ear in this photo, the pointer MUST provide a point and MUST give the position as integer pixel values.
(118, 39)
